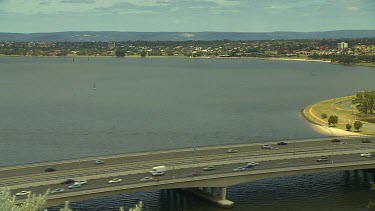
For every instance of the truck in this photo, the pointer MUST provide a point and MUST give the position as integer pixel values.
(158, 170)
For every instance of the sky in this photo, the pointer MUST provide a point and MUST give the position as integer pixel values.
(28, 16)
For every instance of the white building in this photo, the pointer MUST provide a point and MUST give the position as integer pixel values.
(342, 45)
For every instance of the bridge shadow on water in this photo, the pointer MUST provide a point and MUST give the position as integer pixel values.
(344, 190)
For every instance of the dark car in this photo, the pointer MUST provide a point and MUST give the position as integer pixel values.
(49, 170)
(322, 159)
(335, 140)
(281, 143)
(366, 141)
(68, 181)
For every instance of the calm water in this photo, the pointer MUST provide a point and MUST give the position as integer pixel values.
(50, 111)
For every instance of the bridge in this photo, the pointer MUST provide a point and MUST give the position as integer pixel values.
(185, 169)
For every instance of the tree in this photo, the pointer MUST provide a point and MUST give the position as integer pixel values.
(333, 120)
(32, 203)
(366, 102)
(37, 202)
(120, 53)
(324, 115)
(371, 204)
(143, 54)
(357, 125)
(137, 207)
(348, 126)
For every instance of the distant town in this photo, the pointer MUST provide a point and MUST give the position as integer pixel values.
(345, 51)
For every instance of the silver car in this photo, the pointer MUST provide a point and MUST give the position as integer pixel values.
(239, 169)
(58, 190)
(209, 168)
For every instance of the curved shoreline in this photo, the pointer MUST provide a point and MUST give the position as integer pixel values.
(321, 125)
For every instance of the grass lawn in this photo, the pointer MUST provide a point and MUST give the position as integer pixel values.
(340, 107)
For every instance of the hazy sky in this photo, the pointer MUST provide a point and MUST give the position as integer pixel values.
(185, 15)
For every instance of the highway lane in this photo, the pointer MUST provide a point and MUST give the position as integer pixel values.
(175, 154)
(129, 167)
(221, 168)
(104, 169)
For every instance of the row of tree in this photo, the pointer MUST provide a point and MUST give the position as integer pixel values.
(333, 120)
(345, 58)
(37, 203)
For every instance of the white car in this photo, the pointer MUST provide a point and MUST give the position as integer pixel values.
(239, 169)
(115, 180)
(58, 190)
(232, 151)
(266, 146)
(145, 179)
(99, 162)
(74, 186)
(366, 154)
(253, 163)
(81, 182)
(23, 193)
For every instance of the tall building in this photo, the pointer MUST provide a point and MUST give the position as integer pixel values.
(342, 45)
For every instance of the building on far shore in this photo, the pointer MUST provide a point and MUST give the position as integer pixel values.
(342, 45)
(112, 45)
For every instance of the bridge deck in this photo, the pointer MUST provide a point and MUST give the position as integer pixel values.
(289, 159)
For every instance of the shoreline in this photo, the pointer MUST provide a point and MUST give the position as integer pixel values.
(321, 126)
(331, 131)
(201, 57)
(170, 57)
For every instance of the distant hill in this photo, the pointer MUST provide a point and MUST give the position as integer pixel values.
(181, 36)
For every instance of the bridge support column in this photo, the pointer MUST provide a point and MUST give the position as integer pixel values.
(205, 190)
(212, 196)
(223, 193)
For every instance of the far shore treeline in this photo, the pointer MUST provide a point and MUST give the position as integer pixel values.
(344, 51)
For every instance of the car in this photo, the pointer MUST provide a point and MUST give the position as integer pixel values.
(23, 193)
(266, 146)
(366, 154)
(253, 163)
(322, 159)
(366, 141)
(335, 140)
(193, 174)
(74, 186)
(145, 179)
(281, 143)
(342, 142)
(81, 182)
(115, 180)
(232, 151)
(68, 181)
(49, 170)
(239, 169)
(208, 168)
(99, 162)
(58, 190)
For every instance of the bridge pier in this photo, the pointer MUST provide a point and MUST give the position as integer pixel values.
(212, 196)
(223, 193)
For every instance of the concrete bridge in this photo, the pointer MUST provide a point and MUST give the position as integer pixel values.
(296, 157)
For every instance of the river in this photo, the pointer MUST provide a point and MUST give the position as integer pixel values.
(57, 108)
